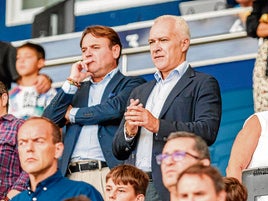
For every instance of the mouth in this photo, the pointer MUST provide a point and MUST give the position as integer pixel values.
(158, 56)
(30, 160)
(170, 172)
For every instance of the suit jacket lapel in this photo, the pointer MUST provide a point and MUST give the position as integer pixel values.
(185, 80)
(81, 97)
(145, 93)
(110, 89)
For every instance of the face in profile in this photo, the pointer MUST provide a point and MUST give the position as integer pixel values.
(121, 192)
(193, 187)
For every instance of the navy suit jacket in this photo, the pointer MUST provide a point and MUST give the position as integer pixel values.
(193, 105)
(107, 115)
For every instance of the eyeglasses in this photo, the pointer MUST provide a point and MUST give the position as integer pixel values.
(175, 156)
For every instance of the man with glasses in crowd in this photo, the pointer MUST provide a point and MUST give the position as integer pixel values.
(182, 150)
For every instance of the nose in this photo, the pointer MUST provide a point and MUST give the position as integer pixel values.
(87, 53)
(169, 160)
(29, 147)
(112, 194)
(155, 47)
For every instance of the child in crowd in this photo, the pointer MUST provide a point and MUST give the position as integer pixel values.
(25, 101)
(126, 182)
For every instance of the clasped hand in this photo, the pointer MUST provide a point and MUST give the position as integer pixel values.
(136, 115)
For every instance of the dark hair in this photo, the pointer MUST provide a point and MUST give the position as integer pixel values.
(235, 191)
(200, 145)
(3, 88)
(38, 48)
(78, 198)
(128, 174)
(56, 133)
(103, 32)
(209, 171)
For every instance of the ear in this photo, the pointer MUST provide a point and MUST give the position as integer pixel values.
(205, 162)
(185, 43)
(116, 51)
(59, 150)
(41, 63)
(4, 98)
(140, 197)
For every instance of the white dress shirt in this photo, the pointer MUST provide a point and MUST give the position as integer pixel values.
(155, 104)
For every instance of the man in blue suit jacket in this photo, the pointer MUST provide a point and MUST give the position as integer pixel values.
(179, 99)
(92, 109)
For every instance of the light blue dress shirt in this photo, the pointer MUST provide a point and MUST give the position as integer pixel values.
(88, 146)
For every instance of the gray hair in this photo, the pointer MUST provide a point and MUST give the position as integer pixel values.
(181, 25)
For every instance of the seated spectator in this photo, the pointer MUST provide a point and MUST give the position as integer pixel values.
(78, 198)
(12, 178)
(199, 182)
(235, 191)
(181, 150)
(39, 146)
(9, 74)
(126, 183)
(250, 146)
(25, 101)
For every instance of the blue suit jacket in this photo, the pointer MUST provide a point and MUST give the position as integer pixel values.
(107, 115)
(193, 105)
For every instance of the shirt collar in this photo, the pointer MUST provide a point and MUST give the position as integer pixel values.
(8, 117)
(180, 70)
(57, 175)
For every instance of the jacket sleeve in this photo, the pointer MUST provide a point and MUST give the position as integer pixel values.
(120, 147)
(110, 110)
(57, 108)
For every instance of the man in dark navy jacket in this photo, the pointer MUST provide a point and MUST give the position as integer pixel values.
(178, 99)
(92, 109)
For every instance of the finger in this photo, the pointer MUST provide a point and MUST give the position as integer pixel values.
(136, 108)
(134, 102)
(132, 118)
(140, 105)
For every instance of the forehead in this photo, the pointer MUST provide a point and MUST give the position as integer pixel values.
(182, 144)
(162, 28)
(34, 129)
(89, 39)
(110, 182)
(26, 50)
(194, 182)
